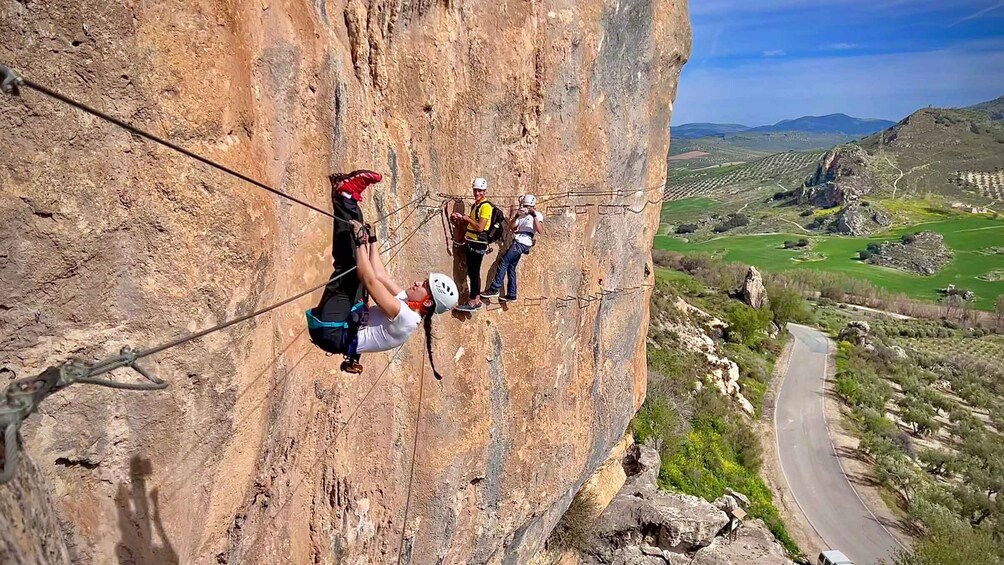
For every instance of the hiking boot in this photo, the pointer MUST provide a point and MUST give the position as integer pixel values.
(357, 181)
(353, 367)
(490, 294)
(468, 307)
(507, 299)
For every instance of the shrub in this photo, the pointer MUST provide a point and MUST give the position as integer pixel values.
(686, 228)
(787, 305)
(958, 544)
(789, 244)
(747, 326)
(575, 528)
(803, 242)
(734, 221)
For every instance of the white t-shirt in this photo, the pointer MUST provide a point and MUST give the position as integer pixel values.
(525, 223)
(383, 334)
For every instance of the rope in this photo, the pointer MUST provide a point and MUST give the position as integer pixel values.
(170, 145)
(411, 474)
(190, 337)
(548, 196)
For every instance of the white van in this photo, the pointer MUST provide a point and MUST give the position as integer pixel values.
(834, 557)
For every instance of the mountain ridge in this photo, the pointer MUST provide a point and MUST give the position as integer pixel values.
(830, 123)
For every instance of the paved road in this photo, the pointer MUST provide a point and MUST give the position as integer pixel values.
(809, 464)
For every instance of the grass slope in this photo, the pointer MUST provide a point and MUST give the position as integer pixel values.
(968, 236)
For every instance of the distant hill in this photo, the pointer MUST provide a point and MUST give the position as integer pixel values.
(942, 151)
(833, 123)
(993, 108)
(692, 131)
(840, 124)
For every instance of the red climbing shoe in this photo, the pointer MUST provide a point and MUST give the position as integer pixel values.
(356, 182)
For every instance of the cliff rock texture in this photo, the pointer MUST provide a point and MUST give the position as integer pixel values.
(261, 451)
(842, 177)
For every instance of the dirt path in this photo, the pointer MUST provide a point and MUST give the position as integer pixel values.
(895, 183)
(892, 315)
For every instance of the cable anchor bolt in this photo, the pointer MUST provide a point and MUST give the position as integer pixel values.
(10, 81)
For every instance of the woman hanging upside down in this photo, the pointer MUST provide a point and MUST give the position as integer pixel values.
(342, 322)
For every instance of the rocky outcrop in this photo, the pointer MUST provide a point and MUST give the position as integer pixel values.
(924, 253)
(859, 219)
(644, 525)
(723, 373)
(840, 179)
(30, 532)
(262, 451)
(753, 544)
(856, 332)
(753, 292)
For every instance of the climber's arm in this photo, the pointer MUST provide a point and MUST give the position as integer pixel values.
(538, 226)
(380, 294)
(381, 273)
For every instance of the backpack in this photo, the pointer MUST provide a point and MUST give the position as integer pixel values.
(496, 225)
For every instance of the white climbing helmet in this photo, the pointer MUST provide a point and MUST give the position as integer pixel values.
(480, 184)
(444, 292)
(529, 201)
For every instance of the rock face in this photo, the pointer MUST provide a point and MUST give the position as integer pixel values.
(924, 253)
(29, 529)
(858, 219)
(841, 178)
(754, 293)
(723, 373)
(856, 331)
(644, 525)
(262, 451)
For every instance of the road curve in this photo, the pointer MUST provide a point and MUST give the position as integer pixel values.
(808, 461)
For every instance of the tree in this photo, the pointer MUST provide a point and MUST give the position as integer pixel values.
(787, 305)
(848, 387)
(896, 471)
(957, 545)
(747, 326)
(919, 415)
(936, 461)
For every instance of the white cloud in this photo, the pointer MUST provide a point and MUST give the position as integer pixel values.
(844, 46)
(979, 14)
(775, 53)
(869, 86)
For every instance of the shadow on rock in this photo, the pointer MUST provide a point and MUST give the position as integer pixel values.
(136, 522)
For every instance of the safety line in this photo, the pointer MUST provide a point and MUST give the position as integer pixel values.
(189, 337)
(411, 474)
(145, 134)
(548, 196)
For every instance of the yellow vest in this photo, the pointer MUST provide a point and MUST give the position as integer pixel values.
(479, 211)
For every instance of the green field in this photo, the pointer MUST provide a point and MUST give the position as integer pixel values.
(676, 211)
(967, 237)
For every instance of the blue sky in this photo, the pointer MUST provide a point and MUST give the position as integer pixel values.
(756, 62)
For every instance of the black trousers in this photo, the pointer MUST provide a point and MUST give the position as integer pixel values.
(341, 294)
(475, 253)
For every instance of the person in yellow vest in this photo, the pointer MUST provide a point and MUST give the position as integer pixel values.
(475, 241)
